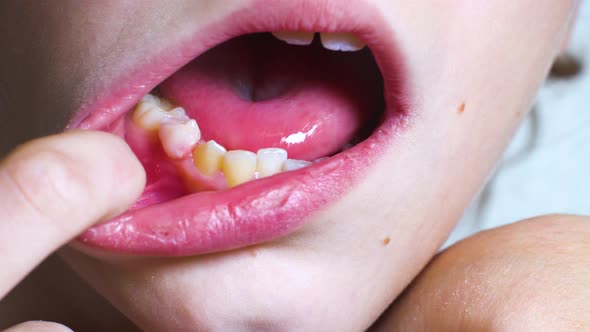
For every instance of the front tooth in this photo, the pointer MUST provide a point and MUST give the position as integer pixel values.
(148, 116)
(294, 164)
(295, 37)
(238, 166)
(270, 161)
(208, 156)
(341, 41)
(179, 138)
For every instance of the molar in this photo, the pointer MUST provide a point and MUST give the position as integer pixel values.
(208, 157)
(178, 138)
(148, 116)
(295, 37)
(151, 111)
(270, 161)
(341, 41)
(177, 114)
(238, 166)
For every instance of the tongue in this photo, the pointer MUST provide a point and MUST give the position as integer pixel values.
(257, 92)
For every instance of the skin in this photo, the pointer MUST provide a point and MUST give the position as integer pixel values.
(52, 189)
(363, 248)
(527, 276)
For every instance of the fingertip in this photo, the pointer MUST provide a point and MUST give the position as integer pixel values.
(113, 163)
(39, 326)
(127, 176)
(77, 176)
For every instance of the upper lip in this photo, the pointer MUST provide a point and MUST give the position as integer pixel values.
(264, 209)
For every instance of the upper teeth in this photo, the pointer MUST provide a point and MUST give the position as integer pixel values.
(295, 37)
(180, 136)
(338, 41)
(335, 41)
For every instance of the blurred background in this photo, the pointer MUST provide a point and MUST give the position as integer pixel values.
(546, 169)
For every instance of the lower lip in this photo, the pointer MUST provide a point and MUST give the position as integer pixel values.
(252, 213)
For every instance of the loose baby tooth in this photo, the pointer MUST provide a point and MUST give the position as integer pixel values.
(179, 138)
(294, 164)
(270, 161)
(238, 166)
(148, 116)
(208, 156)
(295, 37)
(341, 41)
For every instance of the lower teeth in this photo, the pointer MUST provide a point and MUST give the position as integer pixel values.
(180, 137)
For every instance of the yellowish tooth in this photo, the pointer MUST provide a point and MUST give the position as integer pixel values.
(178, 139)
(294, 164)
(341, 41)
(148, 116)
(161, 102)
(270, 161)
(208, 156)
(238, 166)
(295, 37)
(150, 98)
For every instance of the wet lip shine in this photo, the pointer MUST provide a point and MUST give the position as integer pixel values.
(267, 208)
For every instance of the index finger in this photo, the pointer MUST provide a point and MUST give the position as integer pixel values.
(53, 188)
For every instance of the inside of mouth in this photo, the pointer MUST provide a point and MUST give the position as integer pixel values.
(250, 108)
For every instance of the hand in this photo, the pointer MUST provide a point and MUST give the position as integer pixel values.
(53, 188)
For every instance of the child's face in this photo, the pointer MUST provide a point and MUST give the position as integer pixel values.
(458, 77)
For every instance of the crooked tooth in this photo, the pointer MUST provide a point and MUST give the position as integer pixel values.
(341, 41)
(295, 37)
(178, 139)
(208, 157)
(238, 166)
(270, 161)
(294, 164)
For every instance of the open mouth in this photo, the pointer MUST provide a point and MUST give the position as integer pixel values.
(250, 130)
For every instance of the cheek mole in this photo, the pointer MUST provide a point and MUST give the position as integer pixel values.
(461, 108)
(386, 241)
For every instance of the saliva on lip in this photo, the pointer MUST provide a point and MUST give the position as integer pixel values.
(180, 137)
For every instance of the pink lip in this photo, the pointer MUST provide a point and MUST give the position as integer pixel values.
(264, 209)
